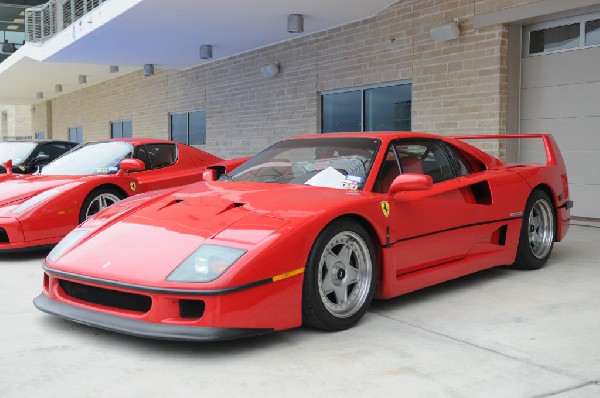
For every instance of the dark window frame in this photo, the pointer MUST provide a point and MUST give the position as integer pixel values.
(122, 123)
(363, 94)
(203, 135)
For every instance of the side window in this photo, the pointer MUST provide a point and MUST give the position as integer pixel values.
(54, 150)
(160, 155)
(459, 163)
(388, 171)
(419, 157)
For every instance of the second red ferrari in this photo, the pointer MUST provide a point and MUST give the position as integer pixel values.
(38, 210)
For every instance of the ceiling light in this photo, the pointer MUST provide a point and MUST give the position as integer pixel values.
(113, 68)
(148, 69)
(19, 20)
(206, 51)
(39, 95)
(12, 27)
(82, 79)
(295, 23)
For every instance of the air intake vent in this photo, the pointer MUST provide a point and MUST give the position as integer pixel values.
(3, 236)
(106, 297)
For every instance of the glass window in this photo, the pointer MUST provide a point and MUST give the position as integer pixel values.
(189, 127)
(76, 134)
(592, 32)
(40, 135)
(385, 108)
(159, 155)
(341, 163)
(424, 157)
(341, 112)
(459, 163)
(388, 108)
(91, 158)
(554, 39)
(121, 129)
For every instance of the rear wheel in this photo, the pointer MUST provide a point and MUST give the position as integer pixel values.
(99, 199)
(537, 232)
(340, 276)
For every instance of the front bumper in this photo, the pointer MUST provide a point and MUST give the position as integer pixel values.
(140, 328)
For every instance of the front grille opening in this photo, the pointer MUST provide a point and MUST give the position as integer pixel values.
(3, 236)
(191, 309)
(106, 297)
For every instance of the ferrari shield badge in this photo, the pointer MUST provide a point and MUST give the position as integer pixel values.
(132, 186)
(385, 208)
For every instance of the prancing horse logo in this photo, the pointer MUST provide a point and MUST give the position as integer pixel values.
(385, 208)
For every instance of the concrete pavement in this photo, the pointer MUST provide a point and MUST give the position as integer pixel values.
(498, 333)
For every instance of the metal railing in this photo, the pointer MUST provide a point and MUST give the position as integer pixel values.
(43, 22)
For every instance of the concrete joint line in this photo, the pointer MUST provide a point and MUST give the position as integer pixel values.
(522, 360)
(576, 387)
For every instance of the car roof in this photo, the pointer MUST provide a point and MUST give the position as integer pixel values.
(382, 135)
(141, 141)
(41, 141)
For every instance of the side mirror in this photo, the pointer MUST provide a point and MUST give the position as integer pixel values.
(411, 182)
(209, 175)
(130, 165)
(8, 166)
(41, 160)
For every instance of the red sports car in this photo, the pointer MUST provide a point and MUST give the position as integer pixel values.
(39, 210)
(308, 231)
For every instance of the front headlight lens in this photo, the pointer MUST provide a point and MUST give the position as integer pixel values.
(66, 243)
(206, 264)
(34, 201)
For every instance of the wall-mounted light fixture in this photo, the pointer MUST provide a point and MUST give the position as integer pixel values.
(58, 88)
(295, 23)
(82, 79)
(113, 69)
(39, 95)
(206, 51)
(148, 69)
(270, 70)
(448, 31)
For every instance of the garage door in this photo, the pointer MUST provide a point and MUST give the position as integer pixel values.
(560, 95)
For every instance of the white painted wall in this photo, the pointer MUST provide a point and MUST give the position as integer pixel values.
(560, 95)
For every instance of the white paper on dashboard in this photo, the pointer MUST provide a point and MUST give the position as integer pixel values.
(328, 177)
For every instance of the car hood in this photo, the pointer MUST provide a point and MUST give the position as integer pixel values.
(170, 227)
(21, 187)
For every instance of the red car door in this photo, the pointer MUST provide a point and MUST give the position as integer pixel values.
(166, 167)
(431, 227)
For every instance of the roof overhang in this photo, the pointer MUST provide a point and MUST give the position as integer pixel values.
(131, 33)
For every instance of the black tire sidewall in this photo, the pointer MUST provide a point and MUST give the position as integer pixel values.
(313, 309)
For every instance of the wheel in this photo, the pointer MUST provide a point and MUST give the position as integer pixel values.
(98, 199)
(340, 277)
(537, 232)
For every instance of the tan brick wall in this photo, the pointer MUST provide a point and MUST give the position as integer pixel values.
(483, 6)
(459, 86)
(18, 120)
(42, 118)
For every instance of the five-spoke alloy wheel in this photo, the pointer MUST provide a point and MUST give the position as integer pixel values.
(98, 200)
(339, 281)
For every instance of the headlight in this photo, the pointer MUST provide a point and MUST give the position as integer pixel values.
(206, 264)
(37, 199)
(66, 243)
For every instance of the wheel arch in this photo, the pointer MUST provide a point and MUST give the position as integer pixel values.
(108, 186)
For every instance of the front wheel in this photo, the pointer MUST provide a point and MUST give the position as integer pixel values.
(340, 277)
(537, 232)
(99, 199)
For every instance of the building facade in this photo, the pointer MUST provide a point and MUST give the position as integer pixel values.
(517, 66)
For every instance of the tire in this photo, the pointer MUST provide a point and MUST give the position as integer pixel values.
(537, 232)
(97, 200)
(339, 284)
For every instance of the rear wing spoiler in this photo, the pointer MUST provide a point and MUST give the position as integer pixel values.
(553, 155)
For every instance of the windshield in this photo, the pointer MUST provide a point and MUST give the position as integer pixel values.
(342, 163)
(17, 151)
(91, 158)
